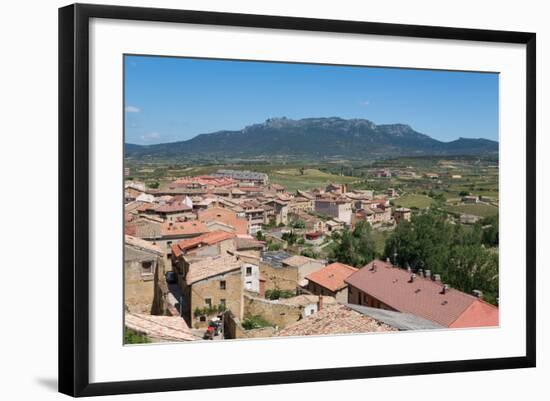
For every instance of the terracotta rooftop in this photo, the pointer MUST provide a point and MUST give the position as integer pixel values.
(332, 276)
(226, 216)
(422, 297)
(160, 328)
(173, 207)
(142, 244)
(143, 228)
(192, 227)
(335, 319)
(205, 239)
(203, 268)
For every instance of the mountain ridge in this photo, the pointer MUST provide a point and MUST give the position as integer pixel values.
(319, 137)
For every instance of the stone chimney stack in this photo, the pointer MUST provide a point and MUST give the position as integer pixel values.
(320, 303)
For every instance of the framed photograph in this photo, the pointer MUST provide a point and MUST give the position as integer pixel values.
(252, 199)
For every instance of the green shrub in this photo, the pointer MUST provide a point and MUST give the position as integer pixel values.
(255, 322)
(133, 337)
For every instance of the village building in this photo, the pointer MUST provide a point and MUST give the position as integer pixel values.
(202, 182)
(330, 281)
(225, 216)
(210, 285)
(142, 262)
(402, 214)
(383, 173)
(338, 208)
(209, 244)
(250, 177)
(304, 265)
(279, 211)
(276, 275)
(382, 285)
(470, 199)
(255, 215)
(431, 176)
(334, 225)
(300, 204)
(311, 223)
(178, 208)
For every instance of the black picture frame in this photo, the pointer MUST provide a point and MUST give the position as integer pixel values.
(74, 198)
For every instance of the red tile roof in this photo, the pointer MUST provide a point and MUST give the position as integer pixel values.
(422, 297)
(335, 319)
(192, 227)
(204, 239)
(226, 216)
(332, 276)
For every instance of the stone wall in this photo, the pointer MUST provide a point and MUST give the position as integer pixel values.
(278, 314)
(139, 287)
(281, 278)
(233, 329)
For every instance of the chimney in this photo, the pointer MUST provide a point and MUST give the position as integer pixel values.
(428, 274)
(388, 260)
(409, 268)
(320, 303)
(478, 294)
(421, 272)
(437, 277)
(413, 276)
(444, 289)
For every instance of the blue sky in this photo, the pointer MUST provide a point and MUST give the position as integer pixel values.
(171, 99)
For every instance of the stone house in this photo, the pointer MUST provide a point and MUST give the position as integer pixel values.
(338, 208)
(279, 212)
(300, 204)
(276, 275)
(402, 213)
(143, 261)
(210, 284)
(329, 281)
(304, 265)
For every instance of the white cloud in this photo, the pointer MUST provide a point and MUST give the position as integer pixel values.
(152, 136)
(132, 109)
(364, 103)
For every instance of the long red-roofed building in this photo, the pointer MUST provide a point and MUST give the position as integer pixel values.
(382, 285)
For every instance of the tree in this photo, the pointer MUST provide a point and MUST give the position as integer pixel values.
(357, 247)
(457, 253)
(290, 237)
(154, 184)
(260, 236)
